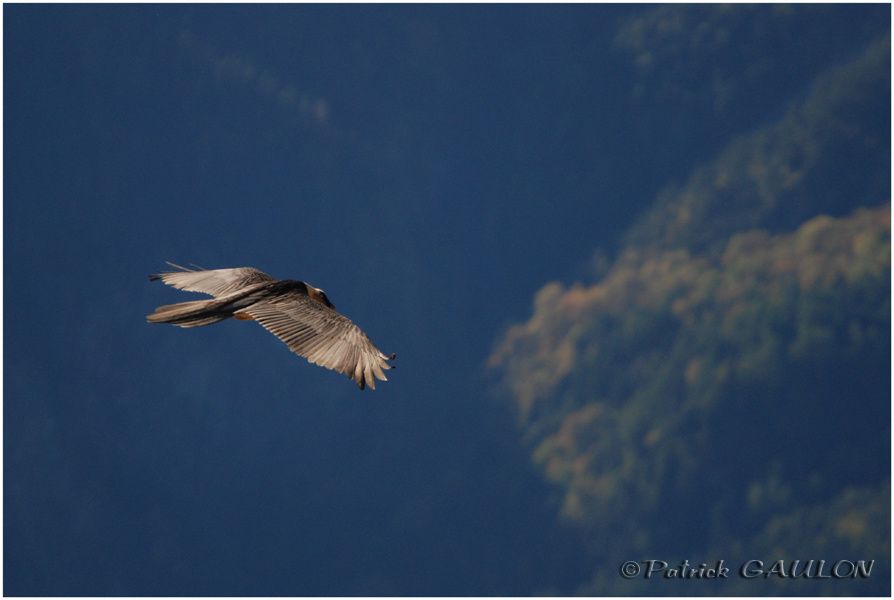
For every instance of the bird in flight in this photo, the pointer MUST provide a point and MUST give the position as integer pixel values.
(296, 312)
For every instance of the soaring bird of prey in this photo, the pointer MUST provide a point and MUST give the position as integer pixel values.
(296, 312)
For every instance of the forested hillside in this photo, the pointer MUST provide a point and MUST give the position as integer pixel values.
(722, 389)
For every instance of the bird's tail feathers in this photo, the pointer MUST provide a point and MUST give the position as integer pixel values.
(191, 314)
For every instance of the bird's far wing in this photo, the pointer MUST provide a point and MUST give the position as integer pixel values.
(322, 336)
(214, 282)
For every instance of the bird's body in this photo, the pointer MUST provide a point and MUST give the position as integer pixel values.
(296, 312)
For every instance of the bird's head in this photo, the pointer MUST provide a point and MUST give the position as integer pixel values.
(319, 295)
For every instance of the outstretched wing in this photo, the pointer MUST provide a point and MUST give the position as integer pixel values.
(322, 336)
(214, 282)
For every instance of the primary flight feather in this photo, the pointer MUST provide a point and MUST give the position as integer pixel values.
(296, 312)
